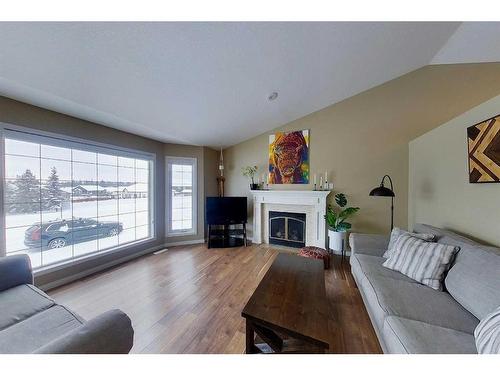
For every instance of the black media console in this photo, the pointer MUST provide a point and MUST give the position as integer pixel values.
(226, 221)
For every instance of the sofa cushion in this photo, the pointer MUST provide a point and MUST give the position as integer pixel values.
(474, 280)
(377, 314)
(444, 236)
(37, 330)
(397, 232)
(425, 262)
(403, 335)
(476, 268)
(369, 244)
(419, 302)
(386, 296)
(21, 302)
(487, 333)
(388, 292)
(15, 270)
(372, 265)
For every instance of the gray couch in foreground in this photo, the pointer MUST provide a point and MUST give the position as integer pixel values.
(32, 322)
(412, 318)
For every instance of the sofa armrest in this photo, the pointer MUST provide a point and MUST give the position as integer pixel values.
(369, 244)
(108, 333)
(15, 270)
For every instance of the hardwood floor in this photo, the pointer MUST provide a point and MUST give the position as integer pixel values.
(189, 300)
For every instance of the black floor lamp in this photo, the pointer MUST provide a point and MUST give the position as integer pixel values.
(382, 191)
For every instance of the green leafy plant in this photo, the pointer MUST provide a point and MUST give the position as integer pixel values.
(249, 172)
(336, 220)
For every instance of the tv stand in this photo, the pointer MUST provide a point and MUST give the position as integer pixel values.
(222, 235)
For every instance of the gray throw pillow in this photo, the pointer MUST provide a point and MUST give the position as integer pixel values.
(425, 262)
(397, 232)
(487, 333)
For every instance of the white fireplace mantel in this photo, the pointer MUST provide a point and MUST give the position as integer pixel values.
(310, 202)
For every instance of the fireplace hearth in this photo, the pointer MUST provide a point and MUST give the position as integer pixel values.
(287, 228)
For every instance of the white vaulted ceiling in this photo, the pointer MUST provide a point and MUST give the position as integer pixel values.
(471, 42)
(208, 83)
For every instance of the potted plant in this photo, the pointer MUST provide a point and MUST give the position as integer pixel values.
(250, 172)
(337, 224)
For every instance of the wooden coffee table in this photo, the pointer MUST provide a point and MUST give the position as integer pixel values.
(288, 311)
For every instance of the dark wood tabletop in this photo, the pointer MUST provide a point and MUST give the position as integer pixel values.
(291, 298)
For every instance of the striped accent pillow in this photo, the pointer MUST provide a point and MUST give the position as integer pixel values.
(397, 232)
(487, 333)
(425, 262)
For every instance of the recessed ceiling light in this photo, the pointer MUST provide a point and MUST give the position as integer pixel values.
(272, 96)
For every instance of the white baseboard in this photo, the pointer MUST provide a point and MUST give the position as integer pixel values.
(90, 271)
(180, 243)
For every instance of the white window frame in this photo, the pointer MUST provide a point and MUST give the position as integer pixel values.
(169, 160)
(93, 147)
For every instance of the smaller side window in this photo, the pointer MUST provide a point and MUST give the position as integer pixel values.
(181, 196)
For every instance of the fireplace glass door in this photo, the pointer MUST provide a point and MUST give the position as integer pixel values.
(287, 228)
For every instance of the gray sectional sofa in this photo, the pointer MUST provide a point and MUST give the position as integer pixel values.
(32, 322)
(412, 318)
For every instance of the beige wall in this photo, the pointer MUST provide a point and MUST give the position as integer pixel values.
(364, 137)
(211, 172)
(440, 193)
(211, 165)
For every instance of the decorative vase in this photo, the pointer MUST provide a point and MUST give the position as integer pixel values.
(254, 186)
(336, 240)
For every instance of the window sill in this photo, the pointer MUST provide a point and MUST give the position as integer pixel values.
(71, 262)
(182, 234)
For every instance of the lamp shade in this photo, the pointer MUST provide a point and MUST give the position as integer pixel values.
(382, 191)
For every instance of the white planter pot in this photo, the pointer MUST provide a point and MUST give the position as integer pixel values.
(336, 240)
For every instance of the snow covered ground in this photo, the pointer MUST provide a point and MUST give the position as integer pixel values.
(132, 213)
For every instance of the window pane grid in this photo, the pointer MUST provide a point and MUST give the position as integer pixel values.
(181, 184)
(61, 202)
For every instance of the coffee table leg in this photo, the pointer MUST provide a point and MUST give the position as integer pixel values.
(250, 338)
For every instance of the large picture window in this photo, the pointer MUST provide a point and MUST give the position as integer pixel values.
(65, 199)
(181, 191)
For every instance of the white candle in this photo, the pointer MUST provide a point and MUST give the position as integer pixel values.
(326, 176)
(321, 182)
(314, 179)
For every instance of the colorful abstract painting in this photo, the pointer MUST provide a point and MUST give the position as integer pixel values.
(289, 157)
(484, 151)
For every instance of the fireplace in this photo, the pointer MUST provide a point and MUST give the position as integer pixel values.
(311, 203)
(287, 228)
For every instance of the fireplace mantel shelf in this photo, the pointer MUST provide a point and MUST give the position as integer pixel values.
(311, 202)
(319, 193)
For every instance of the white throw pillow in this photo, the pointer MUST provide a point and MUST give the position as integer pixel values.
(487, 333)
(425, 262)
(397, 232)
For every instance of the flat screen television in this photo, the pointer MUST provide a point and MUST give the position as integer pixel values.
(226, 210)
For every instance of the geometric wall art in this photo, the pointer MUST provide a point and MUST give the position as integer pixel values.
(484, 151)
(289, 157)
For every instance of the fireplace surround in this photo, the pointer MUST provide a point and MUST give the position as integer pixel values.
(308, 202)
